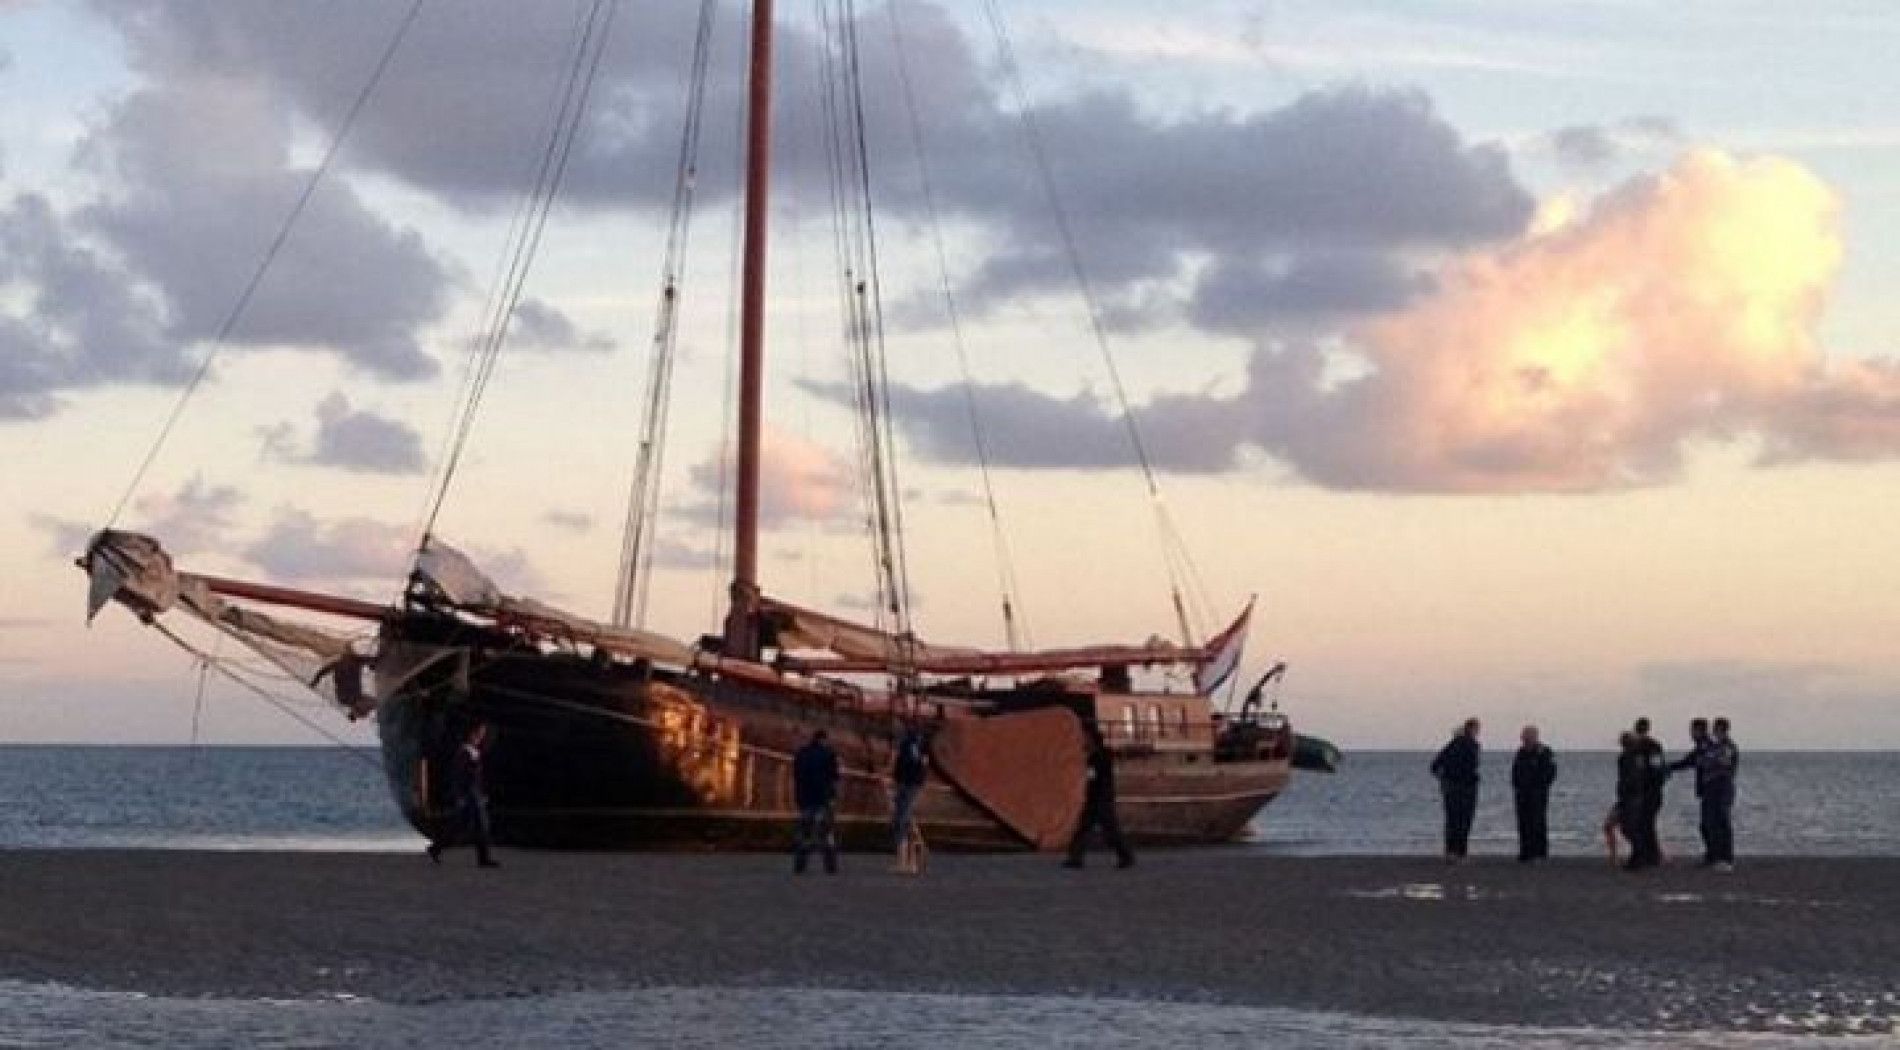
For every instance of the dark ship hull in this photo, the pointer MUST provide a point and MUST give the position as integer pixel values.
(597, 754)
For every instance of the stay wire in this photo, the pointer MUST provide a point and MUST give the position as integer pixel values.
(1006, 571)
(230, 322)
(636, 558)
(559, 151)
(1033, 138)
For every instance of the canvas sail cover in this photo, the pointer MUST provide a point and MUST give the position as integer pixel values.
(858, 648)
(453, 576)
(137, 572)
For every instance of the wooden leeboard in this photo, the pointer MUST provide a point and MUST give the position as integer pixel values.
(1025, 769)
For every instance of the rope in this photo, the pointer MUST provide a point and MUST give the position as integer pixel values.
(643, 497)
(225, 328)
(213, 663)
(1033, 138)
(1005, 566)
(582, 75)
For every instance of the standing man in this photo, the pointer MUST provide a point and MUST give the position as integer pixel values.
(1532, 772)
(1698, 758)
(908, 771)
(1098, 808)
(1456, 768)
(815, 787)
(1646, 847)
(1718, 797)
(468, 788)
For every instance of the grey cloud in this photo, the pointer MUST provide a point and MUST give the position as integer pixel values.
(82, 322)
(1583, 146)
(1781, 705)
(1023, 427)
(569, 520)
(197, 517)
(539, 326)
(463, 109)
(66, 537)
(352, 439)
(301, 548)
(1245, 296)
(206, 181)
(1589, 147)
(676, 554)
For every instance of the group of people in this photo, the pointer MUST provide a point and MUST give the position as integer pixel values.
(815, 776)
(1642, 770)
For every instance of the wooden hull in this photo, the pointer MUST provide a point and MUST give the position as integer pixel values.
(588, 755)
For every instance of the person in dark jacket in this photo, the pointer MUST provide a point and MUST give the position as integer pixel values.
(1646, 846)
(1456, 768)
(1698, 758)
(468, 792)
(1718, 796)
(909, 768)
(1532, 772)
(1631, 779)
(1098, 807)
(815, 790)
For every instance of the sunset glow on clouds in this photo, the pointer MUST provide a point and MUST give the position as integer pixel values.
(1681, 306)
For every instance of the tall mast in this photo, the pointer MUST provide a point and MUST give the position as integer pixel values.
(742, 627)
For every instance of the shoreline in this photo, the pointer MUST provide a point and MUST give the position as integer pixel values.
(1782, 944)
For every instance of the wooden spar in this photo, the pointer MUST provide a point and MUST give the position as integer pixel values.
(742, 630)
(1004, 663)
(296, 599)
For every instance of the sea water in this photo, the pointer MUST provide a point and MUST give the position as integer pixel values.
(40, 1015)
(1789, 803)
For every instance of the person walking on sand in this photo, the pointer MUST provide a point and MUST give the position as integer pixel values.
(1700, 758)
(468, 789)
(815, 789)
(1718, 796)
(1098, 806)
(1533, 771)
(908, 770)
(1456, 768)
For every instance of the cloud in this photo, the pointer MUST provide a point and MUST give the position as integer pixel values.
(67, 538)
(799, 481)
(539, 326)
(1772, 705)
(205, 179)
(195, 518)
(1591, 147)
(677, 554)
(301, 548)
(1350, 170)
(569, 520)
(356, 440)
(80, 321)
(1682, 307)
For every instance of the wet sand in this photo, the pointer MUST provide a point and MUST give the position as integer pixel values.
(1783, 944)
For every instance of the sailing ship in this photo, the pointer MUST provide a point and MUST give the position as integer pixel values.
(612, 736)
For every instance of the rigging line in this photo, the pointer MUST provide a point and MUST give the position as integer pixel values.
(729, 381)
(465, 377)
(636, 559)
(560, 151)
(264, 694)
(225, 328)
(844, 245)
(1005, 565)
(893, 540)
(1032, 134)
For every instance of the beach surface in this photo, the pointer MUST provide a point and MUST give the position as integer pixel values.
(1782, 944)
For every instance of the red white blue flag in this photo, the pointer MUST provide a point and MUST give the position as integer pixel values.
(1223, 651)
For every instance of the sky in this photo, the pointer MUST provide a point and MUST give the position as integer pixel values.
(1532, 362)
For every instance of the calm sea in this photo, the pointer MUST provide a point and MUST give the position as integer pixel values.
(1802, 803)
(287, 798)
